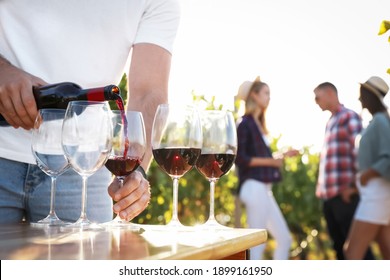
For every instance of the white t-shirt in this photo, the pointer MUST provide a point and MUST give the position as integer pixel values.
(86, 42)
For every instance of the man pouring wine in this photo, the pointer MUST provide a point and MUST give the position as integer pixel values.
(45, 43)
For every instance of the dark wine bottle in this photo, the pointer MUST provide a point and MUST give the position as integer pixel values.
(57, 96)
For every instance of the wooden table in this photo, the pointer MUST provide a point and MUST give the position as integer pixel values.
(24, 241)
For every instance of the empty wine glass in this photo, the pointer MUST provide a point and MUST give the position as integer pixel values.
(50, 158)
(219, 150)
(176, 144)
(87, 142)
(128, 150)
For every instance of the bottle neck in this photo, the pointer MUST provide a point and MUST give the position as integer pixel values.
(110, 92)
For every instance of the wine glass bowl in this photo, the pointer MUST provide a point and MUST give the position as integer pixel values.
(87, 142)
(128, 150)
(176, 161)
(176, 145)
(47, 150)
(213, 166)
(218, 153)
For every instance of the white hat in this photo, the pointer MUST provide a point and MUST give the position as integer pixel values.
(244, 89)
(378, 87)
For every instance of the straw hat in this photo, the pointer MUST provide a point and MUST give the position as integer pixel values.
(378, 87)
(244, 89)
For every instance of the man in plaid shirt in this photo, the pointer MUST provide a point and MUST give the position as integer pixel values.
(337, 170)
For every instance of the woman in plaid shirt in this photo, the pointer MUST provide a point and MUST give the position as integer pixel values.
(257, 170)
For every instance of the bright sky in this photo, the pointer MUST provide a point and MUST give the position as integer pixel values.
(293, 45)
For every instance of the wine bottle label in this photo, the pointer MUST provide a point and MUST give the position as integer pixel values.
(95, 94)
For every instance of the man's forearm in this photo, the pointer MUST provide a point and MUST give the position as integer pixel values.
(148, 86)
(147, 104)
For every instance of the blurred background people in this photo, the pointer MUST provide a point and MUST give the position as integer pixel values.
(336, 180)
(372, 218)
(258, 169)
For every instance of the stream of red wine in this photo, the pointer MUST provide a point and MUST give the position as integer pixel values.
(121, 107)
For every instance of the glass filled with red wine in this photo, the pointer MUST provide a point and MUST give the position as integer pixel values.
(87, 142)
(176, 145)
(218, 153)
(47, 150)
(128, 150)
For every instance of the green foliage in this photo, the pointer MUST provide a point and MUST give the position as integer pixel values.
(384, 27)
(123, 87)
(295, 195)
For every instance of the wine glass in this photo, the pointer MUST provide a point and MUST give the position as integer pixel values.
(176, 144)
(87, 142)
(128, 150)
(47, 150)
(218, 151)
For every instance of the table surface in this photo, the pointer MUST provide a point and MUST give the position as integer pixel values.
(23, 241)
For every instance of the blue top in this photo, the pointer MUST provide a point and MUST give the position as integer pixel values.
(374, 147)
(251, 144)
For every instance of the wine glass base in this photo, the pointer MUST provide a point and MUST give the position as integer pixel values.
(212, 224)
(84, 224)
(50, 220)
(123, 224)
(176, 225)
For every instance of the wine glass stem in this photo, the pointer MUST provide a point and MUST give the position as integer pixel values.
(83, 214)
(52, 195)
(175, 199)
(120, 179)
(212, 191)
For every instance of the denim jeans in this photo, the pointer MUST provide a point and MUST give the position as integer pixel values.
(25, 194)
